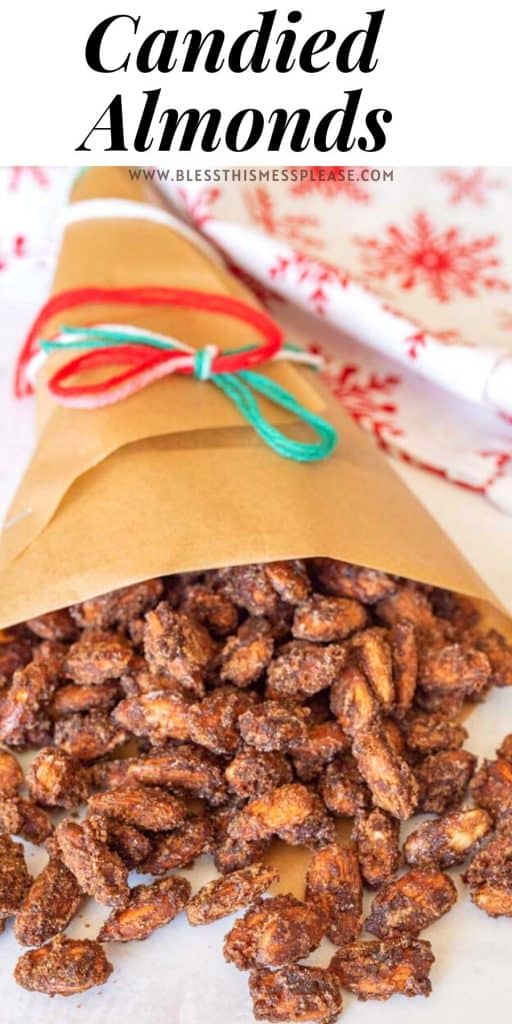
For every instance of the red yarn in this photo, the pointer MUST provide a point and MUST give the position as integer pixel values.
(136, 356)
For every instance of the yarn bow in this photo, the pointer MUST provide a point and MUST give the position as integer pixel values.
(146, 356)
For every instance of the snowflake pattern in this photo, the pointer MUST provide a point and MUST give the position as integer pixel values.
(316, 275)
(331, 182)
(368, 398)
(199, 205)
(473, 186)
(12, 251)
(36, 174)
(417, 341)
(442, 261)
(500, 461)
(292, 228)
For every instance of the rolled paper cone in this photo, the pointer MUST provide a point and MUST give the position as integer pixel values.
(173, 479)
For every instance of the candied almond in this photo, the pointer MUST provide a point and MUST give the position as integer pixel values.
(52, 656)
(178, 646)
(98, 870)
(274, 932)
(55, 779)
(184, 768)
(454, 668)
(63, 967)
(148, 907)
(343, 789)
(378, 970)
(232, 854)
(97, 657)
(273, 726)
(213, 721)
(11, 775)
(53, 626)
(254, 772)
(225, 895)
(504, 750)
(489, 876)
(447, 840)
(118, 607)
(498, 650)
(393, 735)
(72, 698)
(132, 845)
(404, 657)
(460, 610)
(410, 903)
(328, 619)
(246, 655)
(146, 807)
(302, 669)
(14, 877)
(211, 608)
(352, 700)
(377, 836)
(292, 812)
(429, 733)
(181, 847)
(324, 742)
(14, 654)
(49, 905)
(491, 786)
(333, 883)
(345, 580)
(373, 654)
(24, 709)
(249, 587)
(21, 817)
(88, 736)
(289, 579)
(159, 716)
(141, 679)
(443, 779)
(388, 776)
(409, 603)
(295, 993)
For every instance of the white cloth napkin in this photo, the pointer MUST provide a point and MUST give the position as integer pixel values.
(417, 274)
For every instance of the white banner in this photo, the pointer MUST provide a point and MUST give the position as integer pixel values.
(205, 85)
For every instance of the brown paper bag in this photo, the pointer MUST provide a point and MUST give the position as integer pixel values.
(173, 479)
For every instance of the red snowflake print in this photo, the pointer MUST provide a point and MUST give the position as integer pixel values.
(289, 227)
(265, 295)
(500, 461)
(37, 174)
(473, 186)
(14, 250)
(443, 261)
(330, 182)
(315, 274)
(414, 343)
(199, 204)
(368, 398)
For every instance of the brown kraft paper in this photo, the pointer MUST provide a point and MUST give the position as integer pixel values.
(173, 479)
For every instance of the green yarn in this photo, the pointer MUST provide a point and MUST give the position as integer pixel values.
(238, 387)
(247, 404)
